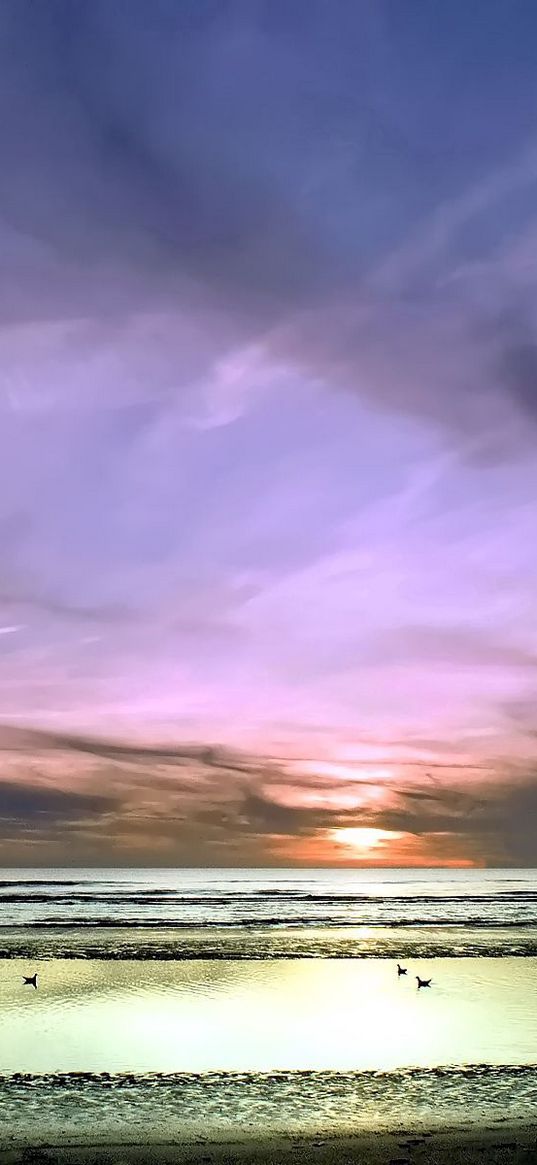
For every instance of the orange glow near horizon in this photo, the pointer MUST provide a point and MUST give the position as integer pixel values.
(370, 847)
(364, 839)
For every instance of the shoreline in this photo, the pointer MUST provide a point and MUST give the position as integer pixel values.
(260, 941)
(514, 1144)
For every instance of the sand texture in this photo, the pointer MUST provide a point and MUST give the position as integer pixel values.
(515, 1146)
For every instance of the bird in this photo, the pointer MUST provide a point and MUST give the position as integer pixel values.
(401, 970)
(30, 980)
(423, 982)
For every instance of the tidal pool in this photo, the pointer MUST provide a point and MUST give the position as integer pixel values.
(279, 1015)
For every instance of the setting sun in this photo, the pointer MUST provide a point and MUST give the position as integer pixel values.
(363, 838)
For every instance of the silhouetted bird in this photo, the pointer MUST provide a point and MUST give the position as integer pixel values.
(423, 982)
(401, 970)
(30, 980)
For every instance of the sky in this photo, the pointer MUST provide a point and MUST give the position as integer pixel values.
(268, 432)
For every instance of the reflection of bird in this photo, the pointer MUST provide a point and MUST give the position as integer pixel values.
(30, 980)
(401, 970)
(423, 982)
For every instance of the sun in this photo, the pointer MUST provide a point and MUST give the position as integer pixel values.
(362, 838)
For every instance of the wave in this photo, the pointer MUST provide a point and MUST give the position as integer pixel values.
(124, 892)
(67, 922)
(274, 900)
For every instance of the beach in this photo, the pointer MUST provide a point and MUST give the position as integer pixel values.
(510, 1146)
(185, 1016)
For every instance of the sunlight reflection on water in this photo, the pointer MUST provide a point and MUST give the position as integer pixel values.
(253, 1016)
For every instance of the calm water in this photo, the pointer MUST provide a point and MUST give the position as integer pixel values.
(314, 1015)
(195, 1001)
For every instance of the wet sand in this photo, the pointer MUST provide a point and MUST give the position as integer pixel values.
(168, 943)
(183, 1052)
(509, 1146)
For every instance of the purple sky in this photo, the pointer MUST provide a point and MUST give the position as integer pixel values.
(268, 431)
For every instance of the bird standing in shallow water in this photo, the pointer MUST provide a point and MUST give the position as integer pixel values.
(423, 982)
(400, 970)
(30, 980)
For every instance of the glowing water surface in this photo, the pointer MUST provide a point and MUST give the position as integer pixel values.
(281, 1015)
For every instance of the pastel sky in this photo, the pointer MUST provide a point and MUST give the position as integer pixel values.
(268, 432)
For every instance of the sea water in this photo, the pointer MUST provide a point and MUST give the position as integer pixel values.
(195, 1000)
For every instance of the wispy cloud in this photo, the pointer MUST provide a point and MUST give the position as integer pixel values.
(267, 418)
(226, 806)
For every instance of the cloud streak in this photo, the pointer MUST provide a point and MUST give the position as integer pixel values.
(267, 422)
(124, 801)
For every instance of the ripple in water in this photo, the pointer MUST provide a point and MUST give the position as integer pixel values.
(281, 1015)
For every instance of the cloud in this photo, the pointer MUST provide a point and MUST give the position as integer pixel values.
(207, 805)
(170, 172)
(142, 170)
(267, 338)
(413, 811)
(27, 806)
(489, 824)
(436, 235)
(518, 367)
(455, 646)
(107, 613)
(512, 821)
(207, 757)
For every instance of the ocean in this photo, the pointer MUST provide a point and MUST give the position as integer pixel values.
(195, 1001)
(267, 913)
